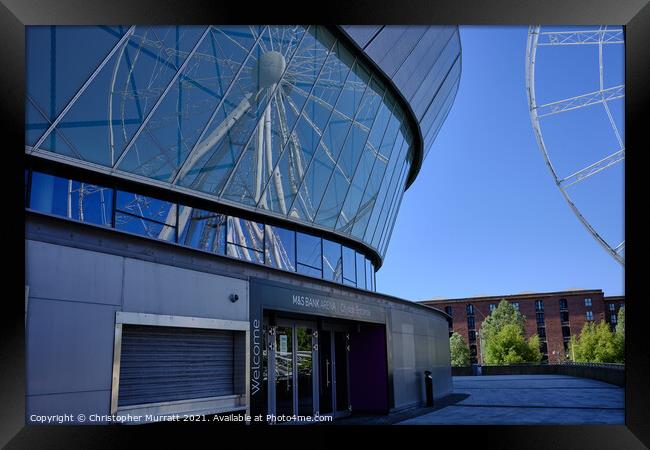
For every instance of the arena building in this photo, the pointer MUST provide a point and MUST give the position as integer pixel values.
(206, 209)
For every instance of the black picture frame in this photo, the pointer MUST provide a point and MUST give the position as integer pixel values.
(16, 14)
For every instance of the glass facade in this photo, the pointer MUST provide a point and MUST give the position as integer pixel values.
(289, 120)
(209, 231)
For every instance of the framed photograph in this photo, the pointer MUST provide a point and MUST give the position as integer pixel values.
(403, 218)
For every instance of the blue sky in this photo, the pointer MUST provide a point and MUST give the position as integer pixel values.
(484, 216)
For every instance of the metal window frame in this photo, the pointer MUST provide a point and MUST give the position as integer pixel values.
(209, 405)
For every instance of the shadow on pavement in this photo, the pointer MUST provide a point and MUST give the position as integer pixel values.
(391, 419)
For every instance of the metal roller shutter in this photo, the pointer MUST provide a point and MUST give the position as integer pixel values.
(160, 364)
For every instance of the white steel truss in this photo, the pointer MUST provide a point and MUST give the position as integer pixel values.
(593, 37)
(600, 37)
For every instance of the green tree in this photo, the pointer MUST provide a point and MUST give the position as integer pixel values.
(619, 335)
(620, 321)
(503, 337)
(502, 315)
(459, 350)
(509, 346)
(596, 343)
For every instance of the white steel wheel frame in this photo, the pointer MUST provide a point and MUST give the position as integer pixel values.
(595, 37)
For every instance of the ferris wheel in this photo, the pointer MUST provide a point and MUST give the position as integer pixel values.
(240, 142)
(586, 154)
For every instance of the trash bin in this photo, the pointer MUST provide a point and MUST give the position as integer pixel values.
(428, 384)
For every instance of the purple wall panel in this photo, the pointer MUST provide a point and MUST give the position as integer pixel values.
(368, 372)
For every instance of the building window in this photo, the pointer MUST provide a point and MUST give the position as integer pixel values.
(361, 271)
(309, 255)
(543, 348)
(72, 199)
(587, 302)
(332, 261)
(613, 319)
(449, 310)
(204, 230)
(540, 318)
(470, 309)
(472, 336)
(280, 248)
(146, 216)
(349, 267)
(564, 316)
(470, 323)
(612, 307)
(589, 315)
(563, 304)
(516, 305)
(245, 240)
(539, 305)
(370, 275)
(492, 307)
(541, 332)
(566, 332)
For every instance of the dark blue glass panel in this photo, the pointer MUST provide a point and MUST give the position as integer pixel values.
(349, 265)
(204, 230)
(71, 199)
(146, 216)
(419, 62)
(361, 271)
(59, 59)
(144, 227)
(309, 250)
(280, 248)
(332, 261)
(362, 34)
(308, 270)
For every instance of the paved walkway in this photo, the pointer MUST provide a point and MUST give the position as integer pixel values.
(528, 399)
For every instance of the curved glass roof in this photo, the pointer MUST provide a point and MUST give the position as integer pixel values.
(281, 119)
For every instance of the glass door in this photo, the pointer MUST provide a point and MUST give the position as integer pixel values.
(304, 371)
(294, 352)
(326, 384)
(284, 382)
(334, 389)
(341, 349)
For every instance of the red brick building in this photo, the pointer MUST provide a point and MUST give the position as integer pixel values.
(554, 316)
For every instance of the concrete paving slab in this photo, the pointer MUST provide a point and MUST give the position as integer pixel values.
(529, 399)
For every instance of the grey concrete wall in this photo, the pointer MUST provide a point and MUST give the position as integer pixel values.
(79, 276)
(419, 342)
(73, 296)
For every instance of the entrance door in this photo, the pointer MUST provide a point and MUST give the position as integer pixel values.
(341, 356)
(284, 379)
(292, 384)
(308, 369)
(334, 348)
(326, 385)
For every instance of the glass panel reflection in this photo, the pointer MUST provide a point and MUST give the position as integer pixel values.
(349, 266)
(332, 261)
(197, 228)
(280, 248)
(200, 229)
(146, 216)
(284, 370)
(304, 368)
(245, 240)
(285, 118)
(72, 199)
(309, 251)
(361, 271)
